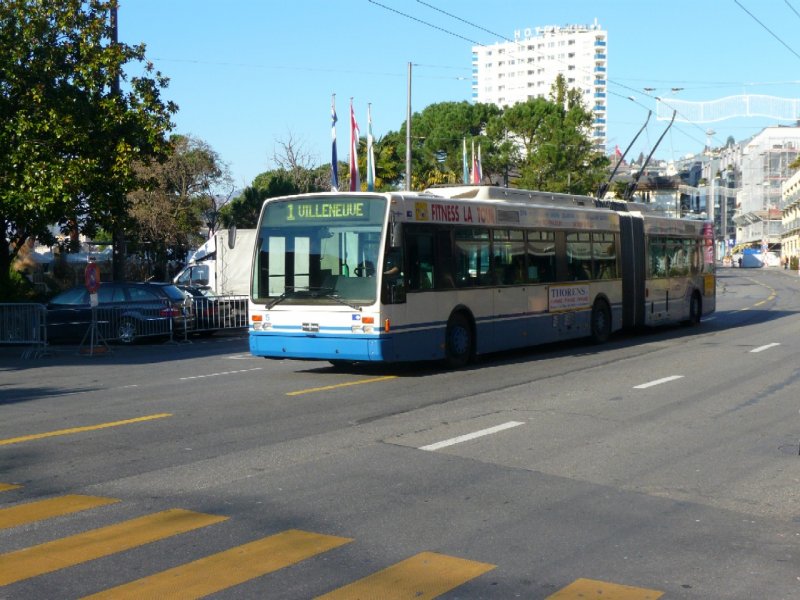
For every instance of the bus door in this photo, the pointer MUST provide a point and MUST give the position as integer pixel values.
(658, 283)
(634, 269)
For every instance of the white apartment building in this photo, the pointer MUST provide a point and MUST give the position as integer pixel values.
(506, 73)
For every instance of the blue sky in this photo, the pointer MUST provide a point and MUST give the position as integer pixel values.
(250, 74)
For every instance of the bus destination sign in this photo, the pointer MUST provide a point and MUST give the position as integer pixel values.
(330, 210)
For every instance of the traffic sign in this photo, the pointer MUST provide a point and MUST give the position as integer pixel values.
(91, 277)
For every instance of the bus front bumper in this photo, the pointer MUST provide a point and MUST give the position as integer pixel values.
(321, 346)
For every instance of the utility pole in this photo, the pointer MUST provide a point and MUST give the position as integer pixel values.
(408, 134)
(118, 231)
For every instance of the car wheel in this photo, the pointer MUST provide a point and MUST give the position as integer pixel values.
(126, 331)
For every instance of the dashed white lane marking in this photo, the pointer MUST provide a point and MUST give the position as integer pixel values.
(220, 373)
(766, 347)
(657, 382)
(471, 436)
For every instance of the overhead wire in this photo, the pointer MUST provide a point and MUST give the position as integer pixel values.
(772, 33)
(610, 81)
(502, 37)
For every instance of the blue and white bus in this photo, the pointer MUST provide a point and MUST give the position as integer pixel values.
(456, 272)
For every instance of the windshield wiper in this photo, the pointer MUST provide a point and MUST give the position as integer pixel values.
(278, 300)
(333, 296)
(321, 292)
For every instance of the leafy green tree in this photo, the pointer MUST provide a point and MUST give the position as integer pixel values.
(69, 137)
(560, 155)
(437, 137)
(168, 213)
(243, 211)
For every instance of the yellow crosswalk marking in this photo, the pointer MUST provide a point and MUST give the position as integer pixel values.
(83, 547)
(47, 434)
(590, 589)
(4, 487)
(223, 570)
(426, 575)
(23, 514)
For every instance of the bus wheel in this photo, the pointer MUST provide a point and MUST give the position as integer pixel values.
(601, 322)
(459, 341)
(695, 309)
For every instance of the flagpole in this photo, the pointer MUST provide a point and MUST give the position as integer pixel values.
(370, 152)
(355, 181)
(464, 162)
(334, 159)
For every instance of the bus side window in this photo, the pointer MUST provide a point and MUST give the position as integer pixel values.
(419, 252)
(443, 260)
(541, 257)
(579, 257)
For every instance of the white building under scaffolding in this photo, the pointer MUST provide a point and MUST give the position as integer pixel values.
(765, 161)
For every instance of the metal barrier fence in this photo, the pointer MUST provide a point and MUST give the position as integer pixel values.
(24, 325)
(215, 313)
(35, 326)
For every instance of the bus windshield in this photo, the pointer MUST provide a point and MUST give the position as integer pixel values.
(319, 250)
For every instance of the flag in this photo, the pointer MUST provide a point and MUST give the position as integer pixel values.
(617, 154)
(355, 180)
(370, 152)
(464, 163)
(480, 166)
(334, 161)
(474, 178)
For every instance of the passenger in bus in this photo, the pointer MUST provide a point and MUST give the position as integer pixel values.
(391, 265)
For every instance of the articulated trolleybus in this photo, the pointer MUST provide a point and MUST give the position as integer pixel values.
(454, 272)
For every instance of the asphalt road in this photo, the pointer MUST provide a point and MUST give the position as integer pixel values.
(662, 464)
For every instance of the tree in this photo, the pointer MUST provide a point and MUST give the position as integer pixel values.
(179, 199)
(561, 157)
(69, 136)
(296, 163)
(243, 211)
(438, 133)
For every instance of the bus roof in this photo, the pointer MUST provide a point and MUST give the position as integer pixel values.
(491, 192)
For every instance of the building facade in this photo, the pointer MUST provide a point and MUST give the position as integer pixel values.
(765, 160)
(507, 73)
(790, 240)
